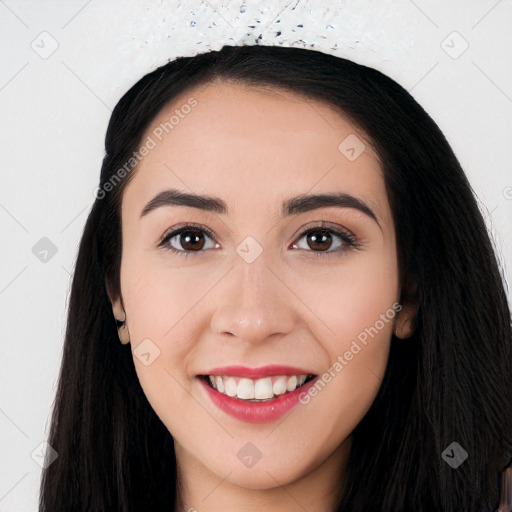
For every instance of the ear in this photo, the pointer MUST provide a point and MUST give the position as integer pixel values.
(406, 317)
(117, 304)
(405, 320)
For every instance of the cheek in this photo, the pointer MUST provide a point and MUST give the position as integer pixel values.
(352, 297)
(355, 306)
(159, 299)
(163, 306)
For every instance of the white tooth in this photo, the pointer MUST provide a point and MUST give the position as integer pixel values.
(292, 383)
(245, 389)
(219, 384)
(302, 379)
(230, 386)
(212, 381)
(279, 386)
(263, 388)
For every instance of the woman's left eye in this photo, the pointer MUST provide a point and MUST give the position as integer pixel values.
(319, 238)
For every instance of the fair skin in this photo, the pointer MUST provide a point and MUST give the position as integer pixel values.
(254, 148)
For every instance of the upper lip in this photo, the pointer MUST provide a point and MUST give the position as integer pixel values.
(259, 371)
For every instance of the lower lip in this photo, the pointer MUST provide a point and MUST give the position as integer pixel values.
(256, 412)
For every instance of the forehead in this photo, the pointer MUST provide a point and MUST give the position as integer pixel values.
(251, 145)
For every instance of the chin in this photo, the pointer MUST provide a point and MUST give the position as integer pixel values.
(272, 470)
(262, 478)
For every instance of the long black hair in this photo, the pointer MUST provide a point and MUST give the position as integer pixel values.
(450, 382)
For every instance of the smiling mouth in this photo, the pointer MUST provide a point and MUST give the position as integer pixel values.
(263, 389)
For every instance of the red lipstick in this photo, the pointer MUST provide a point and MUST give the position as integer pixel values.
(256, 412)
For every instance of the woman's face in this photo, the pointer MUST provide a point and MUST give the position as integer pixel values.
(266, 288)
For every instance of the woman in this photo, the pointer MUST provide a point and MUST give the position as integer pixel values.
(310, 313)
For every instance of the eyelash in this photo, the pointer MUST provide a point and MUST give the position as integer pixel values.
(346, 237)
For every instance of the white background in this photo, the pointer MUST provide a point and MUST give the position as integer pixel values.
(55, 108)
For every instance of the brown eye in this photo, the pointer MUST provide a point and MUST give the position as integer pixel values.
(188, 239)
(191, 240)
(319, 240)
(325, 241)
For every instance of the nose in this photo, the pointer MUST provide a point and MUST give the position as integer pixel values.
(253, 303)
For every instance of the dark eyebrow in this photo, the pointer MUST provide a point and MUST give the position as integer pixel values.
(292, 206)
(306, 203)
(177, 198)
